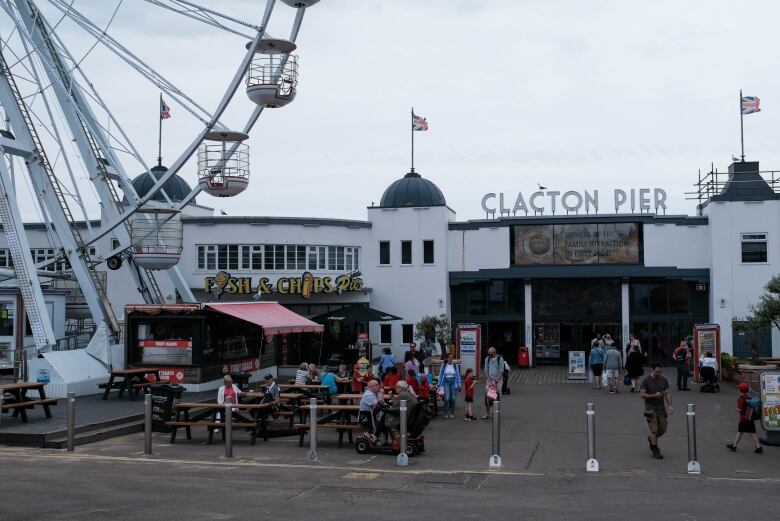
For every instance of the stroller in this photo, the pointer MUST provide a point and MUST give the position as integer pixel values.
(417, 419)
(710, 380)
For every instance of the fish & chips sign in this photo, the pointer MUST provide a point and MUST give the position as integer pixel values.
(572, 201)
(306, 285)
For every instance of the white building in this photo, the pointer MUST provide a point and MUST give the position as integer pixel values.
(547, 282)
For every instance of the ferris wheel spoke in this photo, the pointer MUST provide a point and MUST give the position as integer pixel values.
(202, 17)
(133, 61)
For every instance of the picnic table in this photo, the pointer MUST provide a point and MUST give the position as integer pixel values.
(294, 399)
(15, 398)
(339, 418)
(256, 422)
(126, 377)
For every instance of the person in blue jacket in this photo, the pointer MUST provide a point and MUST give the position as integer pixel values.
(449, 379)
(596, 362)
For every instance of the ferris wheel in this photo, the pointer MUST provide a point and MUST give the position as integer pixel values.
(58, 125)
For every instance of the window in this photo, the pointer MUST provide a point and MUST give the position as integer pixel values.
(384, 252)
(406, 252)
(407, 333)
(386, 333)
(5, 258)
(754, 247)
(258, 257)
(427, 252)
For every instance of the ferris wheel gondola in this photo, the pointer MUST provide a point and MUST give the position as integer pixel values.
(272, 79)
(223, 163)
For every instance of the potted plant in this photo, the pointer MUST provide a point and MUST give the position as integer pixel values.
(728, 367)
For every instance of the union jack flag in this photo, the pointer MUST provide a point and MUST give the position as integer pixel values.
(750, 104)
(165, 110)
(419, 123)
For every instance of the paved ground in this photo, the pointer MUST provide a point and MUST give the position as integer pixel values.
(543, 446)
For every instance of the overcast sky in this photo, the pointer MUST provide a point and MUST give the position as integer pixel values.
(573, 95)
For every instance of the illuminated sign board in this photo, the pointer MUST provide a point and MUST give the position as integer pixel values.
(306, 285)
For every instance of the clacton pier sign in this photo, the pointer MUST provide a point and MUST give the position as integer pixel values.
(572, 201)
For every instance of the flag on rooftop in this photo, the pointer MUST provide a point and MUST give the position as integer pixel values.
(751, 104)
(165, 110)
(419, 123)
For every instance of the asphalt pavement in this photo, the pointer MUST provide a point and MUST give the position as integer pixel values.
(543, 447)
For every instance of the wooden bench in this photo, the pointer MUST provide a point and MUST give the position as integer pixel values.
(302, 428)
(19, 402)
(211, 426)
(30, 403)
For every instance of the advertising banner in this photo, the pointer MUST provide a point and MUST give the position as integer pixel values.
(566, 244)
(577, 365)
(770, 400)
(467, 337)
(576, 244)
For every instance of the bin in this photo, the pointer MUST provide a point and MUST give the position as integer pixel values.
(241, 379)
(163, 398)
(523, 359)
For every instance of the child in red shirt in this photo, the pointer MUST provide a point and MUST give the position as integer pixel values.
(469, 385)
(425, 388)
(746, 422)
(357, 381)
(391, 378)
(411, 379)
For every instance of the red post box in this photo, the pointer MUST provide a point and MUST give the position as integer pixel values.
(522, 357)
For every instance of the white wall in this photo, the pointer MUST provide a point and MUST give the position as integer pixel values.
(408, 291)
(740, 284)
(483, 248)
(684, 247)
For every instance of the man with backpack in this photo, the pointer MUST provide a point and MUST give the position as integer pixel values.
(749, 411)
(682, 358)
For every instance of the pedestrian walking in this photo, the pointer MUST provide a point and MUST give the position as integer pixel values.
(634, 369)
(654, 390)
(469, 388)
(612, 364)
(633, 342)
(449, 378)
(596, 361)
(747, 419)
(682, 359)
(386, 361)
(493, 369)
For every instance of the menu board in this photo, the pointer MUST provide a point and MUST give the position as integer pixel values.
(566, 244)
(770, 400)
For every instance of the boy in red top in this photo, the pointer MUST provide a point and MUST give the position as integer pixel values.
(411, 379)
(746, 423)
(391, 378)
(357, 380)
(425, 388)
(469, 385)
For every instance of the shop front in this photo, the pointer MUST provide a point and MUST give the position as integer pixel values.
(196, 343)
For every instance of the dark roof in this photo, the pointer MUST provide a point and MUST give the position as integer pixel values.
(677, 220)
(355, 313)
(412, 191)
(261, 221)
(745, 184)
(176, 187)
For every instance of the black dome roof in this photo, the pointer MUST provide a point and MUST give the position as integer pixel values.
(410, 191)
(176, 188)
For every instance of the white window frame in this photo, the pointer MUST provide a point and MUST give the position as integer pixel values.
(754, 237)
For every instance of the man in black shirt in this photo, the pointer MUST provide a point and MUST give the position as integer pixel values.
(654, 390)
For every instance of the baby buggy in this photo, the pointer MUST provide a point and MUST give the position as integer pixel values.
(369, 441)
(710, 380)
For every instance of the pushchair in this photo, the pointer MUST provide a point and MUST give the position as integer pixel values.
(710, 380)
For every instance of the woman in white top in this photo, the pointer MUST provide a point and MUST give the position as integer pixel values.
(230, 390)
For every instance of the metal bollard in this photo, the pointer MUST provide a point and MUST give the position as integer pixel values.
(71, 420)
(228, 426)
(495, 458)
(693, 464)
(1, 407)
(403, 459)
(312, 456)
(148, 424)
(592, 465)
